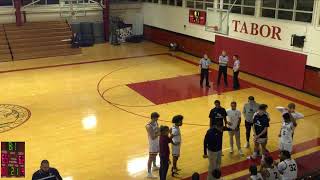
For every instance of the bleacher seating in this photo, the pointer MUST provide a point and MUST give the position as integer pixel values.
(5, 54)
(40, 39)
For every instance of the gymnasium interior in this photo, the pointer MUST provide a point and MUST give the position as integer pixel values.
(80, 78)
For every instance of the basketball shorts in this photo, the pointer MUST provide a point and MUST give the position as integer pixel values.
(154, 146)
(262, 140)
(285, 147)
(176, 150)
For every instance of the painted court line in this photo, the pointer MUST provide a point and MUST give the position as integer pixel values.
(79, 63)
(309, 105)
(243, 165)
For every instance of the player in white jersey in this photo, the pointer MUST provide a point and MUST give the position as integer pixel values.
(268, 170)
(291, 109)
(287, 167)
(176, 142)
(234, 120)
(286, 133)
(153, 136)
(254, 174)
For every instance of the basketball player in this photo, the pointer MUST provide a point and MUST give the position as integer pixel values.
(254, 174)
(292, 110)
(286, 133)
(234, 119)
(260, 129)
(287, 166)
(268, 170)
(153, 136)
(176, 139)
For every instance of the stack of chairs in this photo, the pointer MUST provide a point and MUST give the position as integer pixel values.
(40, 39)
(5, 54)
(86, 34)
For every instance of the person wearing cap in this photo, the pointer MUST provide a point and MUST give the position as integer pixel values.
(248, 111)
(204, 70)
(223, 67)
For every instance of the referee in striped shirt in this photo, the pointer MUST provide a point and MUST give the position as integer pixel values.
(204, 66)
(223, 65)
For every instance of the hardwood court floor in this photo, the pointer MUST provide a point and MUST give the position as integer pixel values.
(88, 119)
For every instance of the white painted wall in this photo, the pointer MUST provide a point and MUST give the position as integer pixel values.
(174, 18)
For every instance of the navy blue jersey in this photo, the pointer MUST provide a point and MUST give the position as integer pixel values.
(260, 122)
(52, 174)
(217, 115)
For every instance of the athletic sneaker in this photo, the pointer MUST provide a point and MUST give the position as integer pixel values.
(155, 168)
(241, 153)
(247, 145)
(231, 150)
(151, 176)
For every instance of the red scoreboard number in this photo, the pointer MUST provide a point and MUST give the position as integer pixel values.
(12, 159)
(197, 17)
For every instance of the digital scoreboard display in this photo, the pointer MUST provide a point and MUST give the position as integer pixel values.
(197, 17)
(12, 159)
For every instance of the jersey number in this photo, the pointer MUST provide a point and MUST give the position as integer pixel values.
(283, 132)
(293, 167)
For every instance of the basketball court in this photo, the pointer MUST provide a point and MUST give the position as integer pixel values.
(85, 109)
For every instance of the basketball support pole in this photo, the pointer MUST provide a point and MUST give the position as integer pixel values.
(17, 6)
(106, 19)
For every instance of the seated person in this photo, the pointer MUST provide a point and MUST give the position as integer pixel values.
(46, 172)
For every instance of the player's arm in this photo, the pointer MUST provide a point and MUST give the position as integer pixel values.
(281, 109)
(279, 135)
(298, 115)
(281, 167)
(225, 118)
(264, 131)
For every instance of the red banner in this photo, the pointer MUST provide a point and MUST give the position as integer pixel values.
(197, 17)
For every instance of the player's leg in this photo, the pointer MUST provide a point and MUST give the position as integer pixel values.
(201, 77)
(207, 78)
(211, 165)
(225, 75)
(263, 146)
(231, 134)
(248, 126)
(237, 136)
(152, 158)
(219, 76)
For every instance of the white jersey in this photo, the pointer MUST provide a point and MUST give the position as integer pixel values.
(289, 169)
(295, 115)
(272, 173)
(286, 132)
(176, 139)
(176, 134)
(234, 118)
(256, 177)
(153, 143)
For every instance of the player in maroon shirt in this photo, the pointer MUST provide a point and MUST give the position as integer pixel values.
(164, 151)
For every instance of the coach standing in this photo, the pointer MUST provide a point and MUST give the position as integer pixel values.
(204, 66)
(248, 111)
(218, 115)
(223, 65)
(236, 67)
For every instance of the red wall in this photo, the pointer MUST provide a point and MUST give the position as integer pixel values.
(277, 65)
(191, 45)
(312, 81)
(266, 62)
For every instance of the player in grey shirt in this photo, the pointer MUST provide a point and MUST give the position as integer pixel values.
(248, 111)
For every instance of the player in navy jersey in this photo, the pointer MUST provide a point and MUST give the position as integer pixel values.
(260, 129)
(218, 115)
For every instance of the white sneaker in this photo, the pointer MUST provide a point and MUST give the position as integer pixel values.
(247, 145)
(231, 150)
(251, 157)
(155, 168)
(241, 153)
(151, 176)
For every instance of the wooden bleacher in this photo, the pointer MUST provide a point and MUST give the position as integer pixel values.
(5, 54)
(39, 39)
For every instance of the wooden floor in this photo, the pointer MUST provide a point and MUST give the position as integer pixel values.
(89, 124)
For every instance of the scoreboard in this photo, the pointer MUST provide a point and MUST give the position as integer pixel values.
(12, 159)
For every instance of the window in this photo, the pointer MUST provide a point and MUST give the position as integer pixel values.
(6, 3)
(293, 10)
(200, 4)
(169, 2)
(246, 7)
